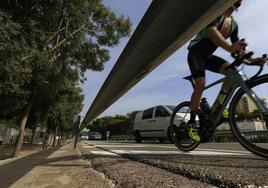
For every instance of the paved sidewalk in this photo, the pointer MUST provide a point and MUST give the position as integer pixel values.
(54, 167)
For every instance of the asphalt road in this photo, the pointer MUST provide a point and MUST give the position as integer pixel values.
(218, 164)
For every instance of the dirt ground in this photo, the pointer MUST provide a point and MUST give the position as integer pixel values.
(27, 149)
(53, 167)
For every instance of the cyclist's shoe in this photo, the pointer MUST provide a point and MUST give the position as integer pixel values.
(193, 132)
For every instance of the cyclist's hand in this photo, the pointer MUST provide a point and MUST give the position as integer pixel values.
(238, 47)
(259, 61)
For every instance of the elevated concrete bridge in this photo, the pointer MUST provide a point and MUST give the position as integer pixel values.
(165, 27)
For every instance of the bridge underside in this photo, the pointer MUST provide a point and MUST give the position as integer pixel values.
(165, 27)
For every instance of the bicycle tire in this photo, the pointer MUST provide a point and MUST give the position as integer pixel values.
(178, 136)
(239, 135)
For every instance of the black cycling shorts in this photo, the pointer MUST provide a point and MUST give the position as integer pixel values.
(199, 62)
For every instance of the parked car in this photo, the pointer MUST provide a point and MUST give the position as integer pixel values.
(84, 137)
(153, 123)
(94, 136)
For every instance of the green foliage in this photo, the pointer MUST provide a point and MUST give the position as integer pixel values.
(45, 49)
(66, 104)
(249, 115)
(51, 41)
(117, 125)
(14, 69)
(74, 32)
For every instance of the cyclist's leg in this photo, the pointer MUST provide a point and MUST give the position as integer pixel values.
(219, 65)
(226, 71)
(196, 63)
(197, 93)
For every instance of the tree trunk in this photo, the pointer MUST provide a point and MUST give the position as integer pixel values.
(50, 139)
(45, 141)
(59, 139)
(62, 138)
(32, 136)
(23, 122)
(46, 137)
(55, 137)
(65, 136)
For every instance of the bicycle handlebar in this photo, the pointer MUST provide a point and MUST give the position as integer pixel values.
(261, 67)
(244, 59)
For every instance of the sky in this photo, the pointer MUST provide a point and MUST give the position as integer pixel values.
(165, 85)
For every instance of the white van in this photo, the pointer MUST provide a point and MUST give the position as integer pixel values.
(153, 123)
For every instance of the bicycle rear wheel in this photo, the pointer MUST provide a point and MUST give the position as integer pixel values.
(178, 128)
(248, 122)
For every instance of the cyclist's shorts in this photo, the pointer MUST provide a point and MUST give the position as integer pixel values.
(199, 62)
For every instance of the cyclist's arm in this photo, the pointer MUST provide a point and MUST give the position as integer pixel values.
(219, 40)
(216, 36)
(234, 35)
(251, 61)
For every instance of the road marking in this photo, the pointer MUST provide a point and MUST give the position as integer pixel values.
(167, 147)
(107, 153)
(88, 147)
(121, 146)
(203, 149)
(195, 152)
(144, 152)
(219, 150)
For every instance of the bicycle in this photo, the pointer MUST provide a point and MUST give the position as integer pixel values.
(249, 126)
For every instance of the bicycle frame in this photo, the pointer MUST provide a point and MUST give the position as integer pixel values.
(239, 83)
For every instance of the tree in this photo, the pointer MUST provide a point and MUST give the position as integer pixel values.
(14, 70)
(66, 105)
(118, 124)
(130, 122)
(58, 37)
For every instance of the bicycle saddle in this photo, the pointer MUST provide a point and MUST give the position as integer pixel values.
(191, 79)
(188, 78)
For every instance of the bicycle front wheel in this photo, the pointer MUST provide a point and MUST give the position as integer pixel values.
(179, 129)
(248, 120)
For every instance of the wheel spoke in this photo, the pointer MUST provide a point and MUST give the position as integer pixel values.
(178, 128)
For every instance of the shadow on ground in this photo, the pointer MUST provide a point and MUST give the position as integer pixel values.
(13, 171)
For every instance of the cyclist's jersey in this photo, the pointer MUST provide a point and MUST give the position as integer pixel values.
(202, 43)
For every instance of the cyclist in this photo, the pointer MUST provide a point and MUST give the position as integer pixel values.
(200, 58)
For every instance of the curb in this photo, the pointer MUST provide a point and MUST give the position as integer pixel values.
(105, 178)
